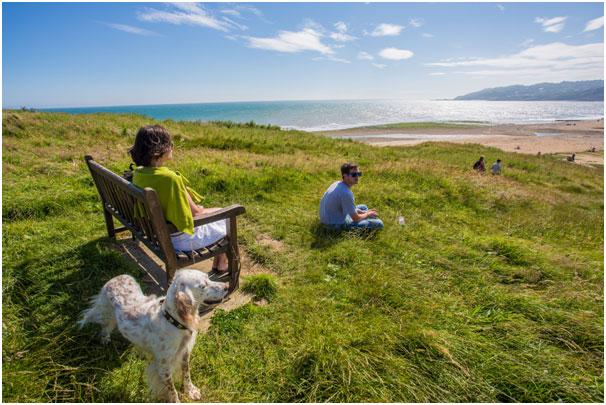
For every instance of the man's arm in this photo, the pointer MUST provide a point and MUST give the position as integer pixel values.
(350, 207)
(368, 214)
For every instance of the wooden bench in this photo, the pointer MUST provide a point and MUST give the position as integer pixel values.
(119, 198)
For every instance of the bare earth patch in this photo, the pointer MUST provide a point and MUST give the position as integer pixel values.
(154, 277)
(268, 241)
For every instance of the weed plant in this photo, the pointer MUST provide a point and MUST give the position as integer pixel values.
(491, 291)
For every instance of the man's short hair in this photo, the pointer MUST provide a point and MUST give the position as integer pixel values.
(346, 168)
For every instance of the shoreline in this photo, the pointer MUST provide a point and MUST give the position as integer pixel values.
(556, 137)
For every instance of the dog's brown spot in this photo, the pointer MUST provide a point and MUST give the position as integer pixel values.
(185, 308)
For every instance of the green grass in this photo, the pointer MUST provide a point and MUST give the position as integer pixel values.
(492, 291)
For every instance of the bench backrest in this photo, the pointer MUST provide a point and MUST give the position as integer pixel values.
(120, 197)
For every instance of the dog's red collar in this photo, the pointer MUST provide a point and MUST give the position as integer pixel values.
(172, 319)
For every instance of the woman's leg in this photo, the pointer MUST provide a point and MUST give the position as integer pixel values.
(220, 261)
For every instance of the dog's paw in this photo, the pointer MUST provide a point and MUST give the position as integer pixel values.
(193, 393)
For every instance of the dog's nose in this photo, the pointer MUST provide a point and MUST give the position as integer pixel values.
(225, 286)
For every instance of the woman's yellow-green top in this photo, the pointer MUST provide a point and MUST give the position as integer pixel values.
(172, 188)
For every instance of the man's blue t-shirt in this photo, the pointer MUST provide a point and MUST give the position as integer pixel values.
(337, 202)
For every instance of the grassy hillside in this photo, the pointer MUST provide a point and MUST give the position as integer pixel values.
(492, 291)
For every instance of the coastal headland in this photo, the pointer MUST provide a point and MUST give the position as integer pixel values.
(558, 137)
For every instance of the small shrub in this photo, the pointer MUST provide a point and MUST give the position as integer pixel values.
(262, 286)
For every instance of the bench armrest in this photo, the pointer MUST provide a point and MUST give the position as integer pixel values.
(223, 213)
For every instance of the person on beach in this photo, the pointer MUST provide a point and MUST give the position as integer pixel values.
(496, 167)
(338, 209)
(479, 165)
(152, 149)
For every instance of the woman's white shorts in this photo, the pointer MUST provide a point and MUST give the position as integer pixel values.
(203, 236)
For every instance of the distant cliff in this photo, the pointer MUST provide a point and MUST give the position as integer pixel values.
(589, 90)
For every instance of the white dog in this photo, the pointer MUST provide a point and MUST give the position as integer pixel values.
(163, 328)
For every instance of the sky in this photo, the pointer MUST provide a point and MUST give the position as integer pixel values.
(103, 54)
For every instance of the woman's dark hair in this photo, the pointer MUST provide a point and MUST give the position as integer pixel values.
(151, 142)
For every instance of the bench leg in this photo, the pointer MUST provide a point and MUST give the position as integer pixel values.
(233, 255)
(109, 223)
(171, 268)
(234, 270)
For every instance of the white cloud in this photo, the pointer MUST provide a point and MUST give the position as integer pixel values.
(554, 28)
(234, 13)
(526, 43)
(501, 7)
(416, 22)
(330, 58)
(437, 74)
(555, 60)
(131, 29)
(594, 24)
(184, 13)
(189, 7)
(427, 35)
(238, 10)
(384, 29)
(307, 39)
(340, 26)
(379, 65)
(365, 56)
(235, 24)
(342, 37)
(555, 24)
(395, 54)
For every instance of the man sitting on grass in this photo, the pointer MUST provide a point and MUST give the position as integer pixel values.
(496, 168)
(338, 210)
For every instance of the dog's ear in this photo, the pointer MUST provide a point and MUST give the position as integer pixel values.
(185, 308)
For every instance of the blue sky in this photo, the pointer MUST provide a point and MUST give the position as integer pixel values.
(79, 54)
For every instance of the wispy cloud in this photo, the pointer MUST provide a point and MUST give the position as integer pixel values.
(341, 35)
(594, 24)
(427, 35)
(555, 24)
(526, 43)
(437, 74)
(308, 39)
(395, 54)
(132, 30)
(384, 29)
(379, 65)
(365, 56)
(501, 7)
(331, 58)
(416, 22)
(567, 61)
(232, 23)
(340, 26)
(185, 13)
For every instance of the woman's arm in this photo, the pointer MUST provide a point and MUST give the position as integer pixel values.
(195, 209)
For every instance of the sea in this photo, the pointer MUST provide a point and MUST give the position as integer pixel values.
(343, 114)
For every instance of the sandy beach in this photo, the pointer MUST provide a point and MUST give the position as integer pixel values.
(559, 137)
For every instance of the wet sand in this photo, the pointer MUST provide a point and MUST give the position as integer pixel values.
(559, 137)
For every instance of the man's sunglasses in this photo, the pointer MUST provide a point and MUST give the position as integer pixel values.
(356, 174)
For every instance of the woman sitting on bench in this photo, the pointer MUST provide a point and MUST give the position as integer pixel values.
(152, 149)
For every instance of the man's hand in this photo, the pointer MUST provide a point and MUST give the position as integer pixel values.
(371, 213)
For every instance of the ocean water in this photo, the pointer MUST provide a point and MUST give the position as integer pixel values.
(330, 115)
